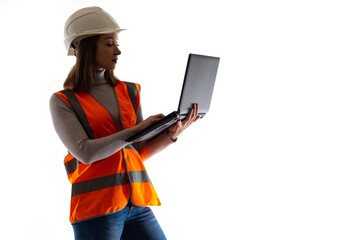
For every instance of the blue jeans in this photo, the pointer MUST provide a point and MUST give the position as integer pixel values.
(131, 223)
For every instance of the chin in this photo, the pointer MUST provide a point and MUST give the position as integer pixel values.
(112, 67)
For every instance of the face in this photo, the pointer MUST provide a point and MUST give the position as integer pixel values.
(107, 51)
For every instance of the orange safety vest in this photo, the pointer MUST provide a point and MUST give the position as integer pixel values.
(107, 185)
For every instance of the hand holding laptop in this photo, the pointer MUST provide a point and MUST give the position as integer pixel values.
(180, 126)
(197, 88)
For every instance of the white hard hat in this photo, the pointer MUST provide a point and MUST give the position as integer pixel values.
(88, 22)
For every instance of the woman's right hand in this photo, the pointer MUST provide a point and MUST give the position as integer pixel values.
(147, 122)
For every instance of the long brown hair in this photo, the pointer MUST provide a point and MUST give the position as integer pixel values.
(82, 75)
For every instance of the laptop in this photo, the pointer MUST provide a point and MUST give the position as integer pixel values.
(197, 88)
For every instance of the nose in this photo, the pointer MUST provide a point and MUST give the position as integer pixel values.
(117, 51)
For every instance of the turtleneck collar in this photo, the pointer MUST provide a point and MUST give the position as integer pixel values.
(100, 78)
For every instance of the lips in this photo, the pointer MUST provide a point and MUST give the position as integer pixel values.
(114, 60)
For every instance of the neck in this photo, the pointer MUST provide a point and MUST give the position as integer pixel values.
(100, 77)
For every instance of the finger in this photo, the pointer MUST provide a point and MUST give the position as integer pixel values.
(194, 112)
(189, 115)
(160, 115)
(156, 117)
(194, 116)
(188, 122)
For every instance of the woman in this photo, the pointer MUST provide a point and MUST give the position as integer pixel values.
(93, 117)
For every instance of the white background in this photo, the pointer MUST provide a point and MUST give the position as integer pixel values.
(277, 157)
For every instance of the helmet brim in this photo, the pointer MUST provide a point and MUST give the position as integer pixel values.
(74, 39)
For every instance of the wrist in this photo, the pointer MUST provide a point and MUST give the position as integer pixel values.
(135, 129)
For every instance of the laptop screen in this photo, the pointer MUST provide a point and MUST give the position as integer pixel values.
(199, 83)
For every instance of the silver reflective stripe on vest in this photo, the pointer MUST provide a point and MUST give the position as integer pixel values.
(79, 111)
(99, 183)
(132, 91)
(71, 166)
(139, 176)
(108, 181)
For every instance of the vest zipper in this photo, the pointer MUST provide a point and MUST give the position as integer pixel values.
(122, 150)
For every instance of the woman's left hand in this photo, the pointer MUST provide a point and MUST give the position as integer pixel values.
(180, 126)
